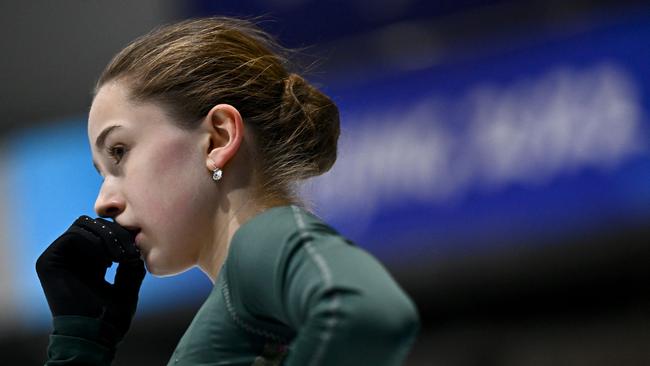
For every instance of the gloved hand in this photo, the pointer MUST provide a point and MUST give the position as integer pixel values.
(72, 270)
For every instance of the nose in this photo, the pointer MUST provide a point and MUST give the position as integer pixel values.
(109, 202)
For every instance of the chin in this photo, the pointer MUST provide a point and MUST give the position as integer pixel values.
(159, 267)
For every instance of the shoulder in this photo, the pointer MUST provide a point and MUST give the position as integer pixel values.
(264, 246)
(268, 250)
(277, 231)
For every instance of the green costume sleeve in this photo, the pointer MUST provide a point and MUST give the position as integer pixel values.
(345, 307)
(74, 342)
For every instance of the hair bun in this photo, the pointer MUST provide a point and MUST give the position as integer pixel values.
(314, 120)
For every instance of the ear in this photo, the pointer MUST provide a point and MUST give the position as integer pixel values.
(226, 130)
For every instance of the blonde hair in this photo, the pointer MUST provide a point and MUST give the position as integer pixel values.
(191, 66)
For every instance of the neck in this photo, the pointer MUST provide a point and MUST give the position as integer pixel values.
(239, 208)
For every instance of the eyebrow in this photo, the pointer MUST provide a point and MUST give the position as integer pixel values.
(101, 140)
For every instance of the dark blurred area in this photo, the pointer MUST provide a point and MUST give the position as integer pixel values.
(505, 269)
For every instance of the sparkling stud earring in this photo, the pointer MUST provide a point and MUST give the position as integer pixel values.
(217, 174)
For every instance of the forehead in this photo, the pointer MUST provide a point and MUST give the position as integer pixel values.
(110, 106)
(113, 106)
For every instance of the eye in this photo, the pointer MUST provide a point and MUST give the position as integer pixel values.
(116, 152)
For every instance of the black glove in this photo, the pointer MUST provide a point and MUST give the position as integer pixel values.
(72, 271)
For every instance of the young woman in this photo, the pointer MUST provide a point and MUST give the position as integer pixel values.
(201, 133)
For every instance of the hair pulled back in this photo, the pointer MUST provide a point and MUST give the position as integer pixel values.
(191, 66)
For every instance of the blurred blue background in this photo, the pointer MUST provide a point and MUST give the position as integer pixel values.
(495, 156)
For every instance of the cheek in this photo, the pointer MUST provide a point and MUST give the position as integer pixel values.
(174, 207)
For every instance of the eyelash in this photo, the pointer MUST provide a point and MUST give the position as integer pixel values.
(116, 152)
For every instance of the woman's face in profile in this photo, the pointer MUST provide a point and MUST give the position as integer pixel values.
(155, 178)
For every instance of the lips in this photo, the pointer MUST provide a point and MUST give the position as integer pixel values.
(136, 236)
(137, 239)
(134, 230)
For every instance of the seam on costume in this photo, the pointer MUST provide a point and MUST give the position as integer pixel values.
(244, 325)
(326, 274)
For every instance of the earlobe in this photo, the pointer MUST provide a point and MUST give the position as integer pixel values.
(226, 131)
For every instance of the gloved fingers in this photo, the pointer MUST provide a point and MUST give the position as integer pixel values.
(69, 294)
(128, 278)
(72, 273)
(76, 252)
(118, 242)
